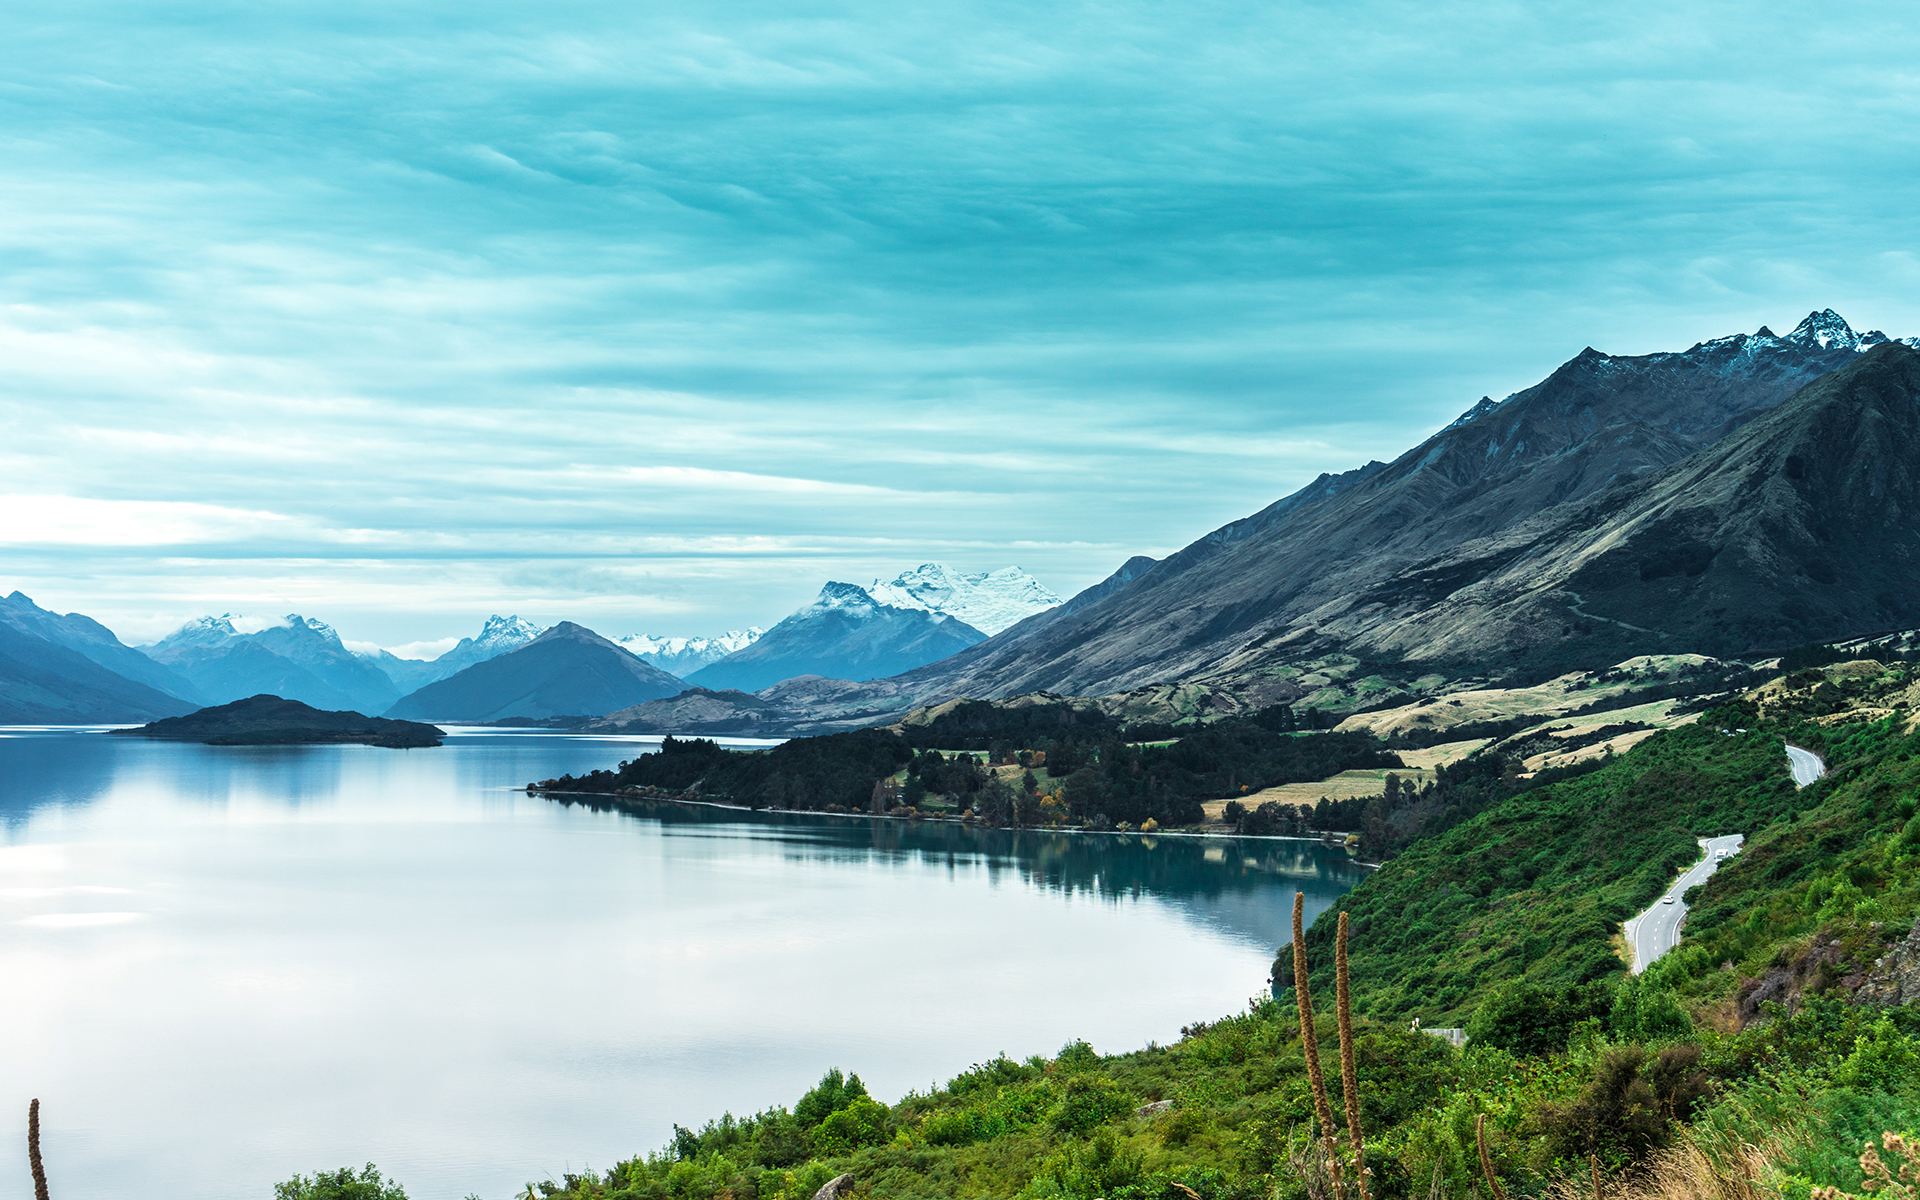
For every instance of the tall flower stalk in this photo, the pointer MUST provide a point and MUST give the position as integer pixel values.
(1349, 1084)
(33, 1152)
(1486, 1160)
(1310, 1044)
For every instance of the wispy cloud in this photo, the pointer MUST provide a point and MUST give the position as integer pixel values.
(27, 520)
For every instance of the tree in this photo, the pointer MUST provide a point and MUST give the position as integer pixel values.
(835, 1091)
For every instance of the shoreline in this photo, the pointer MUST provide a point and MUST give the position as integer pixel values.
(617, 800)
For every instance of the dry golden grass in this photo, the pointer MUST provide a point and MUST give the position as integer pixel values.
(1549, 699)
(1659, 713)
(1619, 744)
(1684, 1171)
(1344, 786)
(1444, 754)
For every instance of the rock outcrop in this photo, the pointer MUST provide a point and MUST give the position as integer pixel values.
(1895, 978)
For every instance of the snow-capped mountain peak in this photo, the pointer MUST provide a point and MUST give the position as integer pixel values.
(506, 633)
(1827, 329)
(836, 594)
(499, 635)
(990, 601)
(201, 631)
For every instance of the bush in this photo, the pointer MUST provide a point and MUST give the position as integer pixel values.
(1531, 1018)
(863, 1122)
(1090, 1101)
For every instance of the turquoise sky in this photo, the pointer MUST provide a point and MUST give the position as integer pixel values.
(655, 316)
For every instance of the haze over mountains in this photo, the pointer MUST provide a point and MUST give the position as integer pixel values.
(1746, 495)
(297, 659)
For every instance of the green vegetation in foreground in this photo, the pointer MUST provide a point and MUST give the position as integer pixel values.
(1745, 1065)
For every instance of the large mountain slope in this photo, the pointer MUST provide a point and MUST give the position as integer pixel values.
(1803, 526)
(1349, 561)
(567, 671)
(844, 634)
(94, 642)
(57, 669)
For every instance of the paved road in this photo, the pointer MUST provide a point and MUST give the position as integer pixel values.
(1655, 931)
(1805, 764)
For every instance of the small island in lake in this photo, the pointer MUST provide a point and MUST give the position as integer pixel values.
(273, 721)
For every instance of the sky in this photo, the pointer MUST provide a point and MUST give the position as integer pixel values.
(657, 316)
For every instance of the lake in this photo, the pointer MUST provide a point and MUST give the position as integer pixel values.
(222, 966)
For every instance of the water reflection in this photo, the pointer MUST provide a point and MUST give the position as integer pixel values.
(1244, 886)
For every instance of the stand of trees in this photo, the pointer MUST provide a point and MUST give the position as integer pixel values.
(1044, 765)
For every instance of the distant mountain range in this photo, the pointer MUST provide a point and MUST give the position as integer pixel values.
(56, 668)
(297, 659)
(844, 634)
(683, 656)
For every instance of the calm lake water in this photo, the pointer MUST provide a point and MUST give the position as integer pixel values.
(219, 966)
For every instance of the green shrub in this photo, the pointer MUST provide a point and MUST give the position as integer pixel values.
(342, 1184)
(1088, 1102)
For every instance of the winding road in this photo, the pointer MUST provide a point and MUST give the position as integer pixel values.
(1657, 930)
(1805, 765)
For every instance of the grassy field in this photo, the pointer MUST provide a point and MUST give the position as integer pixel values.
(1350, 784)
(1549, 699)
(1344, 786)
(1617, 744)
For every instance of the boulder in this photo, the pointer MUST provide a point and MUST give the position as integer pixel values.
(834, 1188)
